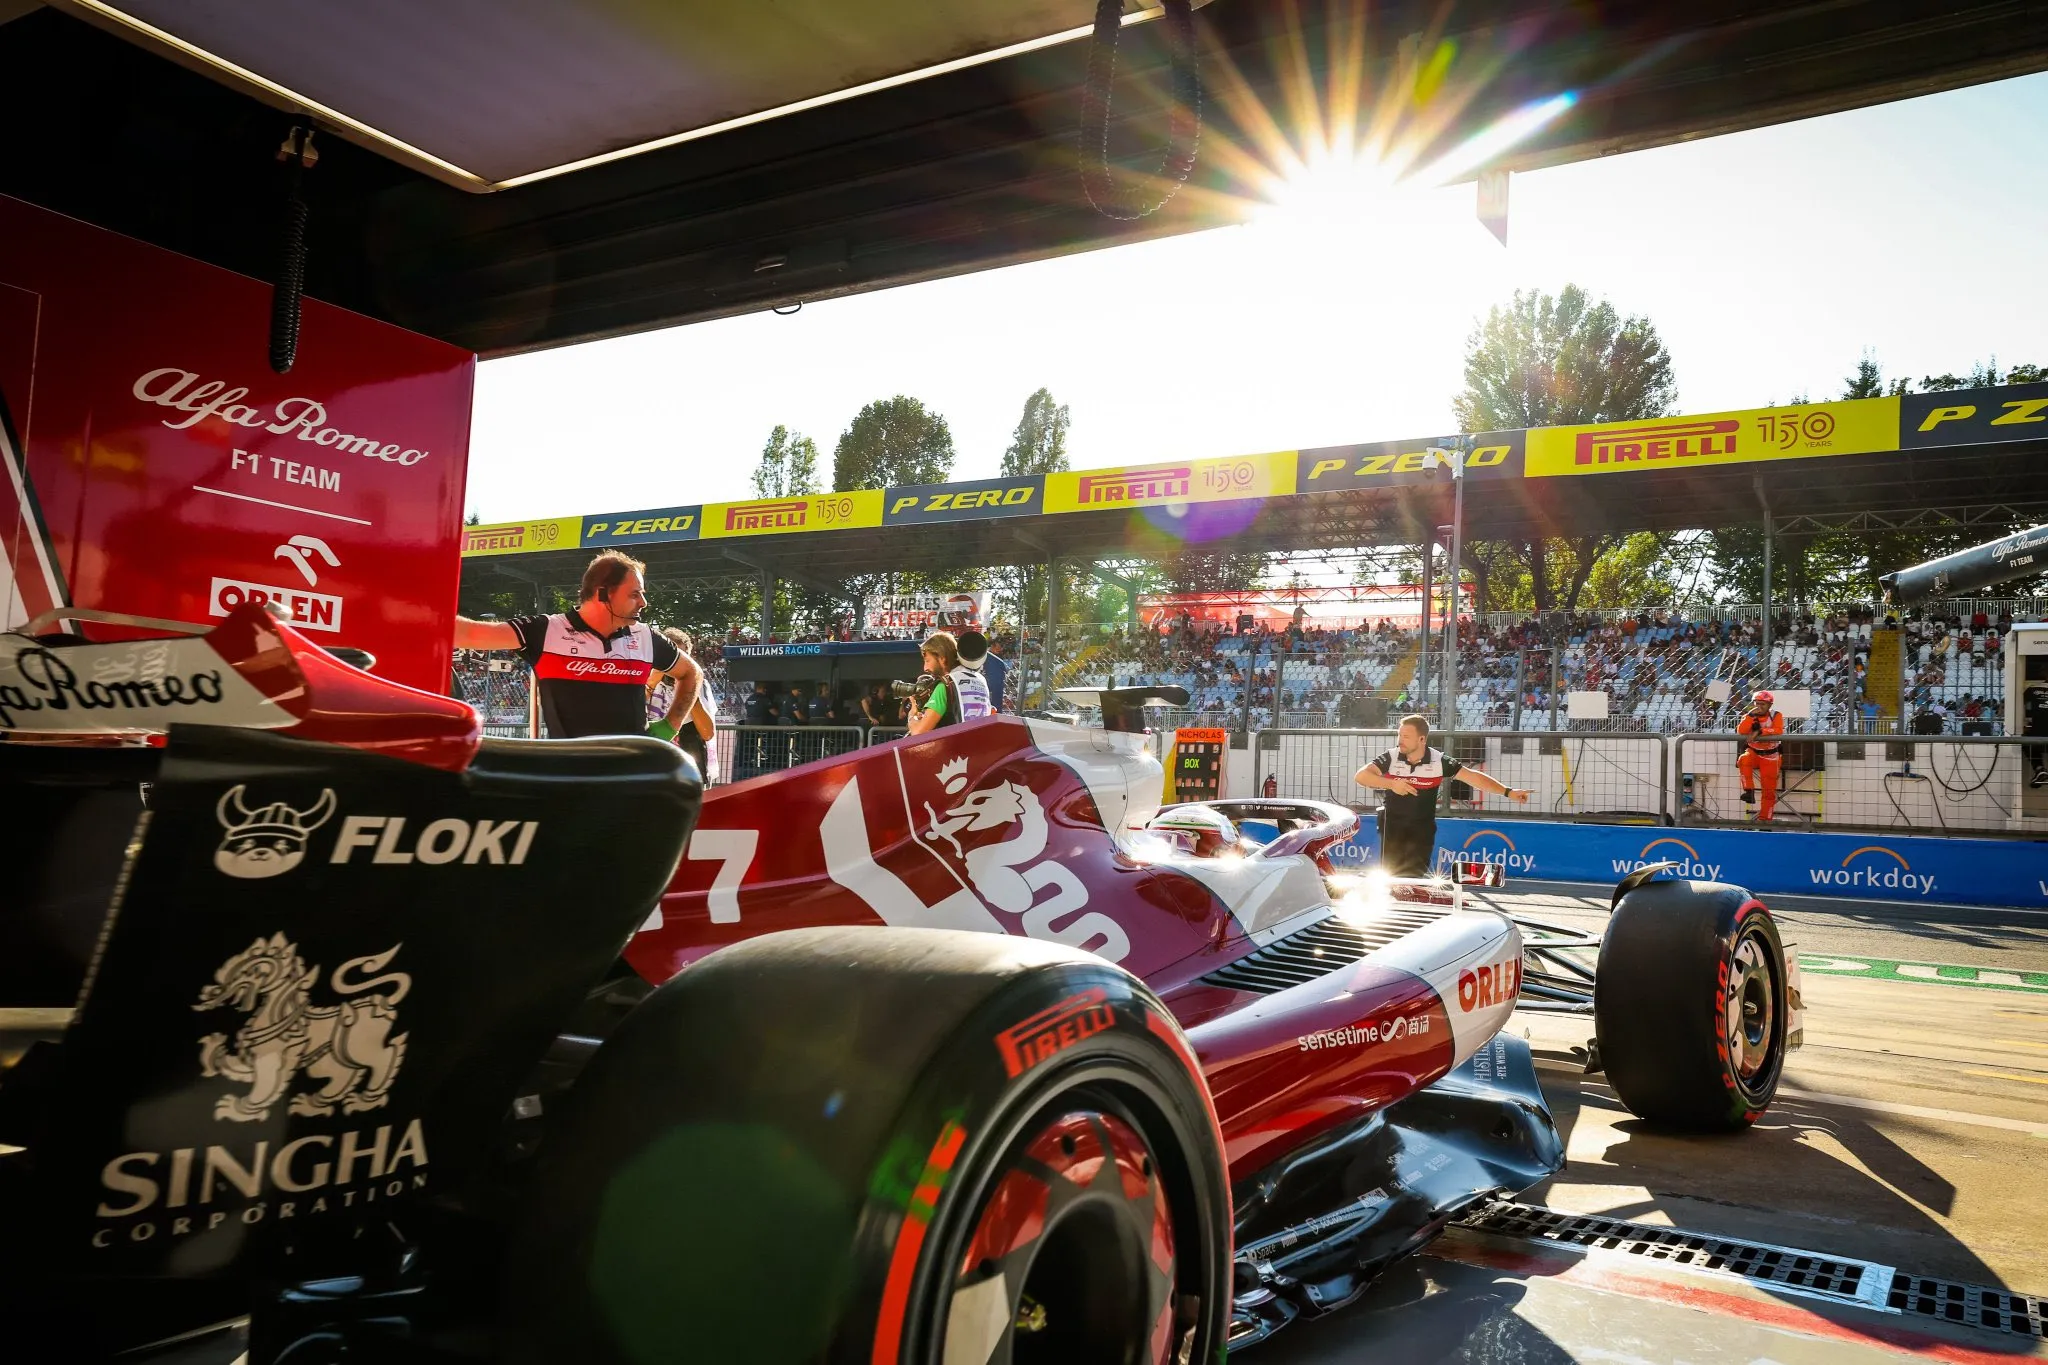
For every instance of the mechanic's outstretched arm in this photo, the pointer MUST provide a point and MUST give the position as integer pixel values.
(485, 634)
(1474, 777)
(1371, 776)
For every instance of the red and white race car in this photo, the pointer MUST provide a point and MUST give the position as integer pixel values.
(950, 1049)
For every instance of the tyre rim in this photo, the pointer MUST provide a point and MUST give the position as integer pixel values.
(1072, 1253)
(1751, 1010)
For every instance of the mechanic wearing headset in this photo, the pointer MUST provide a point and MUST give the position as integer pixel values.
(1761, 733)
(1411, 774)
(593, 665)
(958, 693)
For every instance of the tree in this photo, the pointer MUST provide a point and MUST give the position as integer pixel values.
(1040, 443)
(1560, 360)
(893, 441)
(788, 466)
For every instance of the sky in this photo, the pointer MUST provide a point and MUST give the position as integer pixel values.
(1768, 260)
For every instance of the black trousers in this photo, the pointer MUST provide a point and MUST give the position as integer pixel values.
(1407, 853)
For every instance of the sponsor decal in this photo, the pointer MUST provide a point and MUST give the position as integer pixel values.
(973, 499)
(1874, 866)
(1054, 1029)
(1386, 464)
(599, 668)
(1853, 427)
(2016, 412)
(1224, 480)
(522, 537)
(301, 551)
(305, 418)
(1364, 1032)
(266, 841)
(140, 685)
(781, 516)
(1494, 847)
(502, 842)
(633, 528)
(771, 651)
(307, 610)
(255, 465)
(340, 1056)
(1668, 850)
(1485, 987)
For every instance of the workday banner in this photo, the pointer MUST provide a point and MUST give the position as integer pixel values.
(1999, 872)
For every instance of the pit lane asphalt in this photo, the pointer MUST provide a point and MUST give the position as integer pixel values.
(1910, 1132)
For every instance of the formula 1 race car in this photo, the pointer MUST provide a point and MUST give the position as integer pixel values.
(407, 1044)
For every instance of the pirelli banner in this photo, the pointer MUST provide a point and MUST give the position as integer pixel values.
(1857, 427)
(522, 537)
(1232, 479)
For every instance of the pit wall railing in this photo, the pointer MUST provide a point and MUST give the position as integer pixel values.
(1949, 784)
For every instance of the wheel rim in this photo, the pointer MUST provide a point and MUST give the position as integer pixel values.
(1072, 1253)
(1750, 1015)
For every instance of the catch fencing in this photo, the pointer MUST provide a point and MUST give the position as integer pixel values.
(742, 751)
(502, 694)
(1577, 775)
(1954, 784)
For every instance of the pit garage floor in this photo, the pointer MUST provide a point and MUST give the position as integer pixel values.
(1908, 1150)
(1911, 1136)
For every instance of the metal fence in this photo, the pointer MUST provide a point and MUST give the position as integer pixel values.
(1948, 784)
(1580, 775)
(502, 693)
(742, 751)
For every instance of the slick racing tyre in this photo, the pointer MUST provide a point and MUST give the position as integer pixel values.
(884, 1146)
(1690, 1005)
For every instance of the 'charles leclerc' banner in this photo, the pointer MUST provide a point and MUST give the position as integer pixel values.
(1854, 427)
(919, 613)
(163, 470)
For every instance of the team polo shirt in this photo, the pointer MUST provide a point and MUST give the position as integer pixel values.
(591, 684)
(1408, 831)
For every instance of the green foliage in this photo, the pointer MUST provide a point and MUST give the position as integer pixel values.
(1212, 571)
(1562, 360)
(788, 466)
(893, 441)
(1040, 443)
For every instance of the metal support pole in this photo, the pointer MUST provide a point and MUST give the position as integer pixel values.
(1457, 577)
(1428, 585)
(1766, 661)
(767, 604)
(1279, 679)
(1521, 675)
(1052, 631)
(1553, 686)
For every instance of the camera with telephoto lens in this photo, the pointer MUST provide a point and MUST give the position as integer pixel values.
(921, 690)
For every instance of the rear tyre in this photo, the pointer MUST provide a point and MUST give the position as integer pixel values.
(881, 1145)
(1690, 1005)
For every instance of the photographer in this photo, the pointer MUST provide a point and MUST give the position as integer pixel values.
(956, 694)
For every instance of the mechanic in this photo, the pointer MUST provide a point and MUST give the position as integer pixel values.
(1411, 774)
(593, 664)
(957, 694)
(692, 733)
(1761, 734)
(979, 656)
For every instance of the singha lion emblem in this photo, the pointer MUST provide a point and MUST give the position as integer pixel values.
(347, 1046)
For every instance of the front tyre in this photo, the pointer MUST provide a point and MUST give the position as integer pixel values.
(1691, 1005)
(884, 1146)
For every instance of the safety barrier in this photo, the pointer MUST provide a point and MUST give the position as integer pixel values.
(1859, 866)
(1593, 774)
(743, 751)
(882, 734)
(503, 698)
(1966, 784)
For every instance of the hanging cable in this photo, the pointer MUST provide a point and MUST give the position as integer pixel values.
(299, 155)
(1139, 194)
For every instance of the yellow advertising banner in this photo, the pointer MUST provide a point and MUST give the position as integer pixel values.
(1856, 427)
(1172, 481)
(782, 516)
(522, 537)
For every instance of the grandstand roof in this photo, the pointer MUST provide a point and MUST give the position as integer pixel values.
(1967, 457)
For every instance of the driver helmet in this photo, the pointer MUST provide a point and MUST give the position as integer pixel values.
(1199, 830)
(1762, 701)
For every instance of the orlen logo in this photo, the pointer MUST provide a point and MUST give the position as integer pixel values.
(1480, 988)
(308, 610)
(1136, 485)
(1878, 874)
(1053, 1030)
(504, 842)
(766, 516)
(1666, 850)
(1506, 855)
(1664, 441)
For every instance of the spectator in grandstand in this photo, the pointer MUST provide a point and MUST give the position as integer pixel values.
(1411, 774)
(594, 663)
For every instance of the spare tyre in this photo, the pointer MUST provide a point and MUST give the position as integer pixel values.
(880, 1145)
(1690, 1004)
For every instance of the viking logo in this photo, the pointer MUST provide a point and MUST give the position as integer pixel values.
(268, 841)
(346, 1046)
